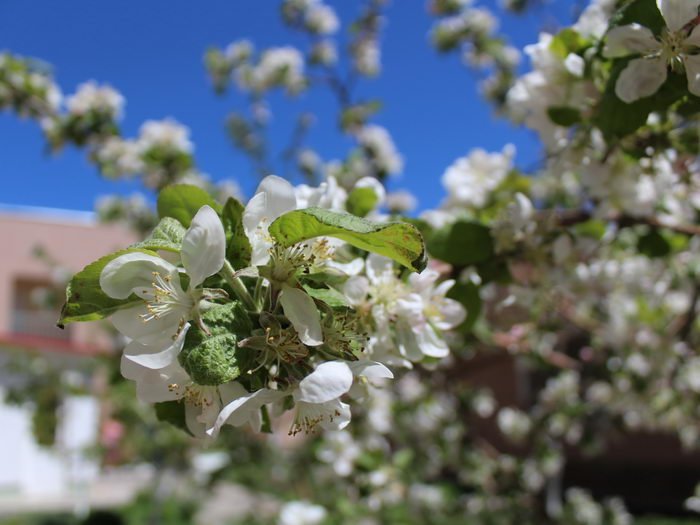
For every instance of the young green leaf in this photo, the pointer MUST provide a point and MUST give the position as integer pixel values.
(361, 201)
(85, 300)
(399, 241)
(330, 296)
(462, 243)
(183, 201)
(564, 116)
(167, 235)
(210, 359)
(238, 248)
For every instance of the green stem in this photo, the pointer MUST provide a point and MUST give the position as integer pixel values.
(228, 273)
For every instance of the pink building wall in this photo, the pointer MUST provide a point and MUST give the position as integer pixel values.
(72, 239)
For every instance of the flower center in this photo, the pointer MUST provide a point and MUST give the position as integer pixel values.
(309, 416)
(672, 47)
(285, 262)
(167, 297)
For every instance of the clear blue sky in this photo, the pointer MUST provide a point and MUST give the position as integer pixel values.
(152, 52)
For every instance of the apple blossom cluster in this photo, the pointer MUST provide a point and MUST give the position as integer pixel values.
(275, 67)
(380, 150)
(313, 16)
(27, 88)
(302, 323)
(471, 29)
(161, 154)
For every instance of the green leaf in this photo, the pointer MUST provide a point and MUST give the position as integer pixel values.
(183, 201)
(167, 235)
(173, 412)
(211, 359)
(567, 41)
(595, 228)
(495, 270)
(361, 201)
(85, 300)
(564, 116)
(463, 243)
(330, 296)
(238, 249)
(643, 12)
(653, 244)
(399, 241)
(468, 295)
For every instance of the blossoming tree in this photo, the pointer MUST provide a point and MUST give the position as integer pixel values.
(319, 310)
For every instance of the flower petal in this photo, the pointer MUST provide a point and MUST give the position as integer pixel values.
(156, 386)
(407, 342)
(356, 289)
(641, 78)
(677, 13)
(273, 197)
(431, 344)
(193, 421)
(133, 273)
(301, 311)
(692, 69)
(452, 313)
(241, 407)
(340, 416)
(329, 381)
(158, 331)
(370, 370)
(631, 39)
(204, 246)
(155, 357)
(379, 267)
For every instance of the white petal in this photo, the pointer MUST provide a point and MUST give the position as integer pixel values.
(378, 267)
(156, 386)
(352, 268)
(193, 421)
(678, 13)
(340, 416)
(575, 65)
(329, 381)
(452, 312)
(431, 344)
(356, 289)
(273, 197)
(301, 311)
(444, 287)
(641, 78)
(692, 69)
(158, 331)
(629, 40)
(241, 407)
(155, 357)
(204, 246)
(133, 273)
(370, 370)
(407, 342)
(423, 281)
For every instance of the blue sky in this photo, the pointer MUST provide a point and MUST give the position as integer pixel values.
(152, 52)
